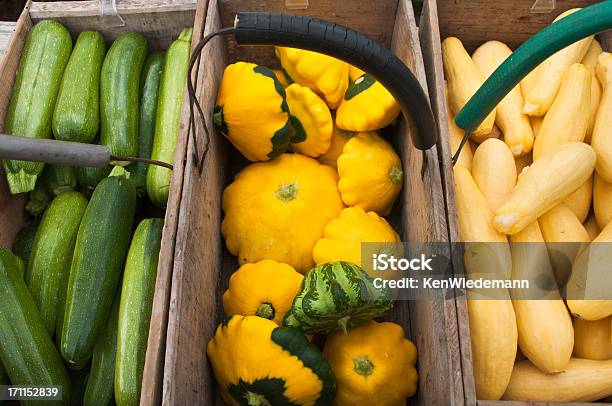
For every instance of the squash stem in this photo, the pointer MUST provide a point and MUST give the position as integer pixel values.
(396, 175)
(218, 118)
(254, 399)
(288, 192)
(266, 310)
(21, 182)
(342, 322)
(363, 365)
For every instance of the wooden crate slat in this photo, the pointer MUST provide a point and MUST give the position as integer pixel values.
(432, 54)
(477, 21)
(6, 29)
(156, 345)
(158, 20)
(12, 215)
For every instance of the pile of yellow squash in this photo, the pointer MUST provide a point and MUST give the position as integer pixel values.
(539, 170)
(320, 182)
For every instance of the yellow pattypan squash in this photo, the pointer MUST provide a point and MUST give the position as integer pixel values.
(373, 365)
(338, 139)
(324, 74)
(367, 105)
(370, 172)
(343, 236)
(311, 121)
(265, 289)
(282, 77)
(256, 362)
(278, 209)
(251, 111)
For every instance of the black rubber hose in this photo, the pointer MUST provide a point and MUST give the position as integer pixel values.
(254, 28)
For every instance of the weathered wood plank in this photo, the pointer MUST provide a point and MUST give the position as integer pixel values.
(358, 14)
(12, 215)
(6, 29)
(152, 383)
(198, 255)
(160, 21)
(432, 54)
(511, 21)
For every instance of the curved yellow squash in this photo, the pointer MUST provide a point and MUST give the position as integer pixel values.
(494, 171)
(590, 61)
(265, 289)
(494, 338)
(549, 180)
(565, 237)
(325, 75)
(372, 361)
(545, 332)
(311, 121)
(278, 209)
(343, 236)
(464, 79)
(513, 123)
(568, 117)
(583, 381)
(251, 111)
(475, 216)
(592, 339)
(602, 201)
(371, 175)
(602, 132)
(493, 330)
(579, 202)
(546, 79)
(589, 286)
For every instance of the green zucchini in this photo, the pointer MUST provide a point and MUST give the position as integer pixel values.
(99, 256)
(172, 88)
(76, 116)
(49, 267)
(24, 241)
(99, 389)
(119, 94)
(30, 111)
(38, 199)
(89, 177)
(59, 179)
(149, 81)
(135, 310)
(27, 351)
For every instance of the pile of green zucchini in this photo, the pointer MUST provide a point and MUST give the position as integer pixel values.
(76, 290)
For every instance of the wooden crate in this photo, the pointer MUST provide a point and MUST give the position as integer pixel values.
(474, 22)
(202, 265)
(6, 29)
(160, 22)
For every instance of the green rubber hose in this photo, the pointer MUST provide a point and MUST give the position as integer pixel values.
(581, 24)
